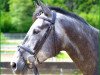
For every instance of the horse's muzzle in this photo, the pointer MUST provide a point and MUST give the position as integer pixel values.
(17, 67)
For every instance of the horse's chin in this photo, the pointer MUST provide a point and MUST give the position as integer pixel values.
(20, 72)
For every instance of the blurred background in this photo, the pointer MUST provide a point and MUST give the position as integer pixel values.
(16, 19)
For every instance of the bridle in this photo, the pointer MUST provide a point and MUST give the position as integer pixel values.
(41, 41)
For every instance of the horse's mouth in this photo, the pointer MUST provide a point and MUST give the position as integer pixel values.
(32, 60)
(20, 71)
(18, 68)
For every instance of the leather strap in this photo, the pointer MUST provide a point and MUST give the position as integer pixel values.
(40, 42)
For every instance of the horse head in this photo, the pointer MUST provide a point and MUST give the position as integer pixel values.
(39, 43)
(52, 32)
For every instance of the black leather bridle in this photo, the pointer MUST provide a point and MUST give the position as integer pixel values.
(41, 41)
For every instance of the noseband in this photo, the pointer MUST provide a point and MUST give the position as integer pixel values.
(41, 41)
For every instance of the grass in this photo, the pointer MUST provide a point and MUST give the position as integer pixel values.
(11, 42)
(7, 52)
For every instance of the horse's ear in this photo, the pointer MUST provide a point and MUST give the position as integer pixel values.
(45, 9)
(36, 4)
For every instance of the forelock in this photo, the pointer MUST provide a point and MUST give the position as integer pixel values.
(37, 11)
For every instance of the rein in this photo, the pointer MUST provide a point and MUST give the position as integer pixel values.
(41, 41)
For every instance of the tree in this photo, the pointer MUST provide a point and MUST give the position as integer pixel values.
(16, 15)
(4, 5)
(21, 14)
(5, 19)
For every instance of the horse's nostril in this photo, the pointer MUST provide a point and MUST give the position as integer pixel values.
(13, 65)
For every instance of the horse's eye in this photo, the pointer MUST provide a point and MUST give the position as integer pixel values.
(36, 31)
(38, 14)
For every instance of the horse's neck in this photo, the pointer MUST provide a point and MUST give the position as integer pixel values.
(79, 44)
(80, 35)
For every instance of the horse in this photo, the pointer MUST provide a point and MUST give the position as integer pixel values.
(55, 30)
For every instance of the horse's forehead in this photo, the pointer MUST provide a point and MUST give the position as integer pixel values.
(38, 23)
(38, 10)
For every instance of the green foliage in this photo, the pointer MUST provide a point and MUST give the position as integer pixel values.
(4, 6)
(16, 15)
(21, 14)
(85, 5)
(5, 23)
(62, 55)
(92, 19)
(2, 38)
(56, 3)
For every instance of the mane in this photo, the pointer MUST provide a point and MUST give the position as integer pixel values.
(62, 11)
